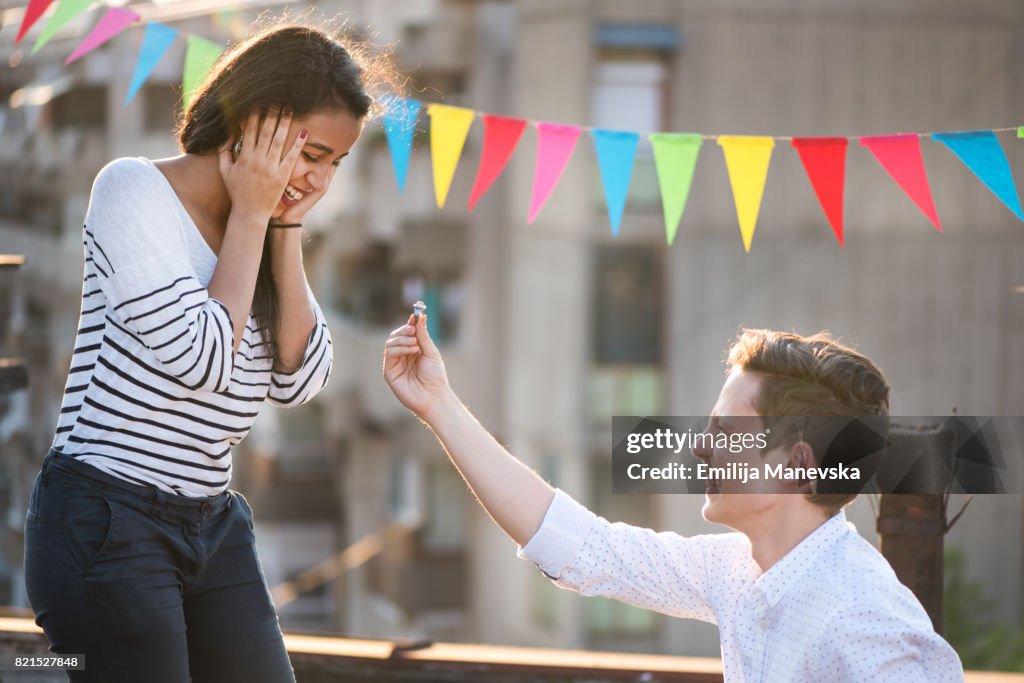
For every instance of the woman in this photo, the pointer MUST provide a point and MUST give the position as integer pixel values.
(195, 308)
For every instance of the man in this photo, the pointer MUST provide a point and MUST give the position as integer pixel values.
(797, 594)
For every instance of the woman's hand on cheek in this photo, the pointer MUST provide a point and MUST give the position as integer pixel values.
(255, 179)
(295, 214)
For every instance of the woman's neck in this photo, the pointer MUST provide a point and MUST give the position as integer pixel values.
(197, 180)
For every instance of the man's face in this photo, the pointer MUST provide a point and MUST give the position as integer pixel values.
(728, 501)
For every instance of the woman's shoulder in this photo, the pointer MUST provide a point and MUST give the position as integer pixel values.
(133, 174)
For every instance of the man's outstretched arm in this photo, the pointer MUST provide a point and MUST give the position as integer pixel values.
(513, 495)
(570, 544)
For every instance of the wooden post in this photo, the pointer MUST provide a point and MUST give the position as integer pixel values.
(913, 526)
(912, 529)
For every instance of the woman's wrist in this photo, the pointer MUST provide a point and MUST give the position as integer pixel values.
(249, 218)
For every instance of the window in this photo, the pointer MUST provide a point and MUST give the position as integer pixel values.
(630, 91)
(444, 529)
(405, 502)
(367, 289)
(629, 305)
(606, 618)
(443, 295)
(82, 107)
(379, 285)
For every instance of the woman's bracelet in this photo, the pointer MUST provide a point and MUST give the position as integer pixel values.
(286, 225)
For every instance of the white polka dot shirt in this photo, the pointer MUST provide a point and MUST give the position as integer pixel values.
(831, 610)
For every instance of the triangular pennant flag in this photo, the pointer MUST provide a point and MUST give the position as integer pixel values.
(501, 134)
(34, 10)
(449, 127)
(155, 43)
(616, 150)
(980, 151)
(900, 156)
(399, 128)
(555, 144)
(747, 159)
(65, 12)
(824, 159)
(199, 57)
(675, 157)
(113, 22)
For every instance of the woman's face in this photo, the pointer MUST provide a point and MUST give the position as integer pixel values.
(331, 135)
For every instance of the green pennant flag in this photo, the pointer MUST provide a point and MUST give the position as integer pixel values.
(65, 12)
(199, 57)
(675, 157)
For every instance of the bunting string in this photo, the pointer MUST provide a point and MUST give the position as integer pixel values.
(676, 154)
(747, 159)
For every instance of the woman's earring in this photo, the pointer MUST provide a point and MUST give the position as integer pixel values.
(238, 145)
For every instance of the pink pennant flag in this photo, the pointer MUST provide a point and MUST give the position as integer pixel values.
(554, 147)
(113, 22)
(900, 156)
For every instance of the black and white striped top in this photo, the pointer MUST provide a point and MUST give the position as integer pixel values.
(154, 395)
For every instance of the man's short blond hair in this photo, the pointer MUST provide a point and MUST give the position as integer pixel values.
(805, 376)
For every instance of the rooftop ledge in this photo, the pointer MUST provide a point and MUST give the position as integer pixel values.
(318, 659)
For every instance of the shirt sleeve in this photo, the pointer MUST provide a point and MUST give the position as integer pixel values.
(133, 236)
(580, 551)
(865, 643)
(289, 389)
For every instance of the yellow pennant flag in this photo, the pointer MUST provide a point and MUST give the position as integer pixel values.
(747, 159)
(448, 129)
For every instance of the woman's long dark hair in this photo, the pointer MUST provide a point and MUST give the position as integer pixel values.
(289, 65)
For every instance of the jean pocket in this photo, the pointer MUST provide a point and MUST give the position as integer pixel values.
(33, 500)
(243, 505)
(88, 528)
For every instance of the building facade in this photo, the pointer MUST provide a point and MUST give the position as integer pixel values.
(550, 328)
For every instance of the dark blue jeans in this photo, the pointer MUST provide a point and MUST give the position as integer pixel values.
(150, 586)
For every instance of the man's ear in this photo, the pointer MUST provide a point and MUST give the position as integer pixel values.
(802, 455)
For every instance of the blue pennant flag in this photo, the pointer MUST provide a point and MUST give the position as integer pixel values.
(400, 126)
(616, 150)
(155, 42)
(980, 151)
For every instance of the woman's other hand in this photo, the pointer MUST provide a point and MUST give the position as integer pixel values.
(256, 178)
(413, 367)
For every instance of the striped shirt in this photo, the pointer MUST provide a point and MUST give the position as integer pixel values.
(155, 394)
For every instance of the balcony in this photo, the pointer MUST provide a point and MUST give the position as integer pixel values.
(319, 659)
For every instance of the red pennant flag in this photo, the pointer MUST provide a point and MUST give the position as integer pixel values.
(34, 10)
(825, 162)
(501, 134)
(900, 156)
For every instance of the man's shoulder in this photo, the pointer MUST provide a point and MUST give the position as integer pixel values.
(861, 578)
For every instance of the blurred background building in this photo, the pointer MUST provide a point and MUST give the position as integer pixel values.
(549, 329)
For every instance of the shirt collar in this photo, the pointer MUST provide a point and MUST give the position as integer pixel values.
(791, 569)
